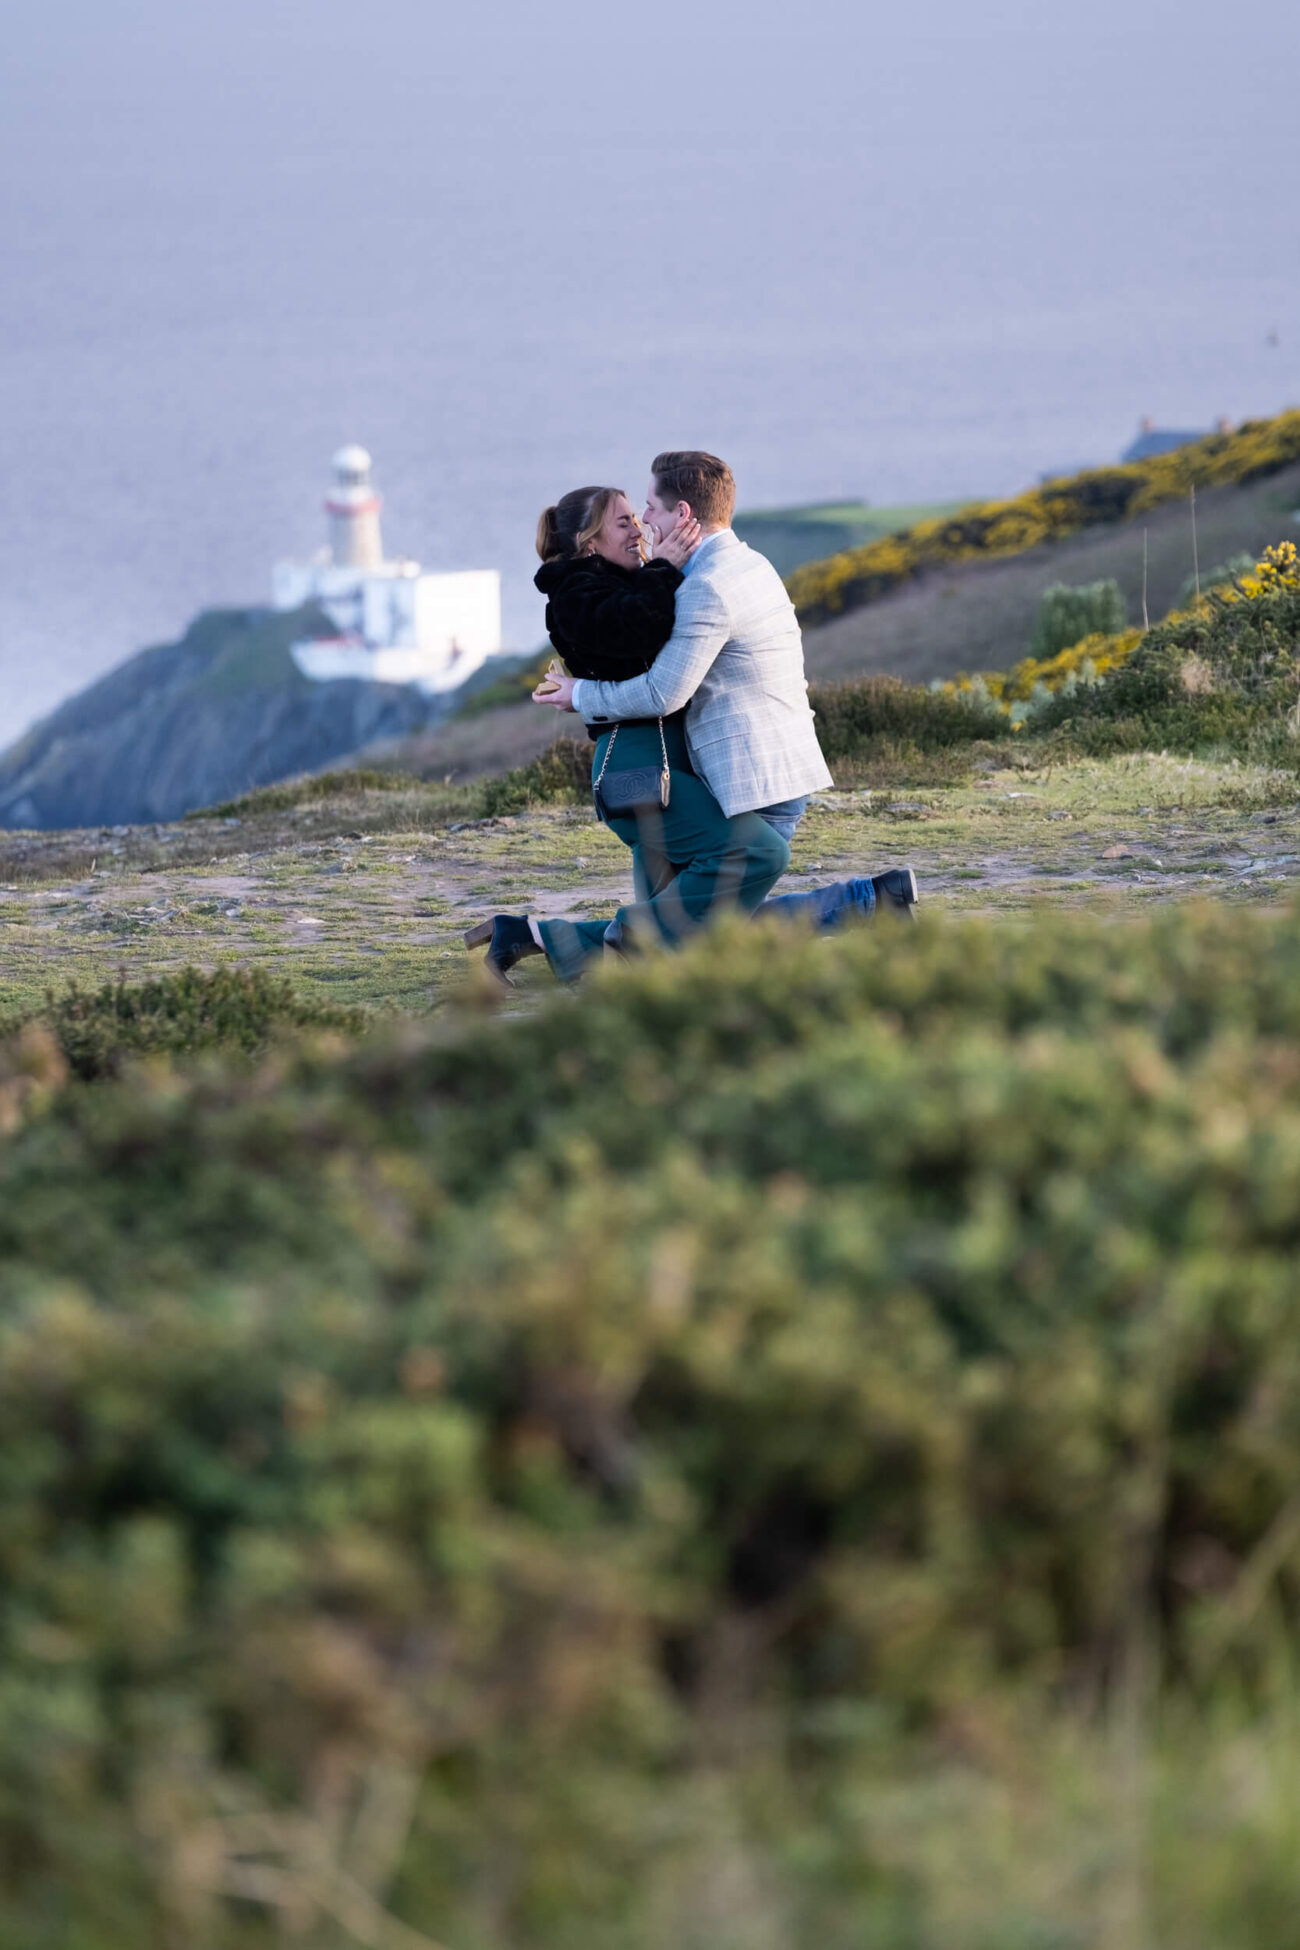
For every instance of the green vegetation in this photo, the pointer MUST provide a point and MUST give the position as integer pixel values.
(879, 730)
(1240, 564)
(1048, 513)
(797, 1449)
(1066, 615)
(791, 1449)
(511, 686)
(561, 775)
(231, 1009)
(792, 536)
(1224, 674)
(307, 790)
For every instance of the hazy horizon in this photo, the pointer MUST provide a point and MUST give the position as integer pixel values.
(907, 258)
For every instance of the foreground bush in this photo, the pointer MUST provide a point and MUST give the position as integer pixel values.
(704, 1465)
(238, 1010)
(1044, 514)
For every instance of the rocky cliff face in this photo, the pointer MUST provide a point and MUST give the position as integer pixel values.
(195, 722)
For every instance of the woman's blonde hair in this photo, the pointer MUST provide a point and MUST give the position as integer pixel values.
(574, 522)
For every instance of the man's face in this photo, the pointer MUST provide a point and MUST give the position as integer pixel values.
(662, 517)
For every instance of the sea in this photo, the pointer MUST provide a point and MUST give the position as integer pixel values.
(860, 251)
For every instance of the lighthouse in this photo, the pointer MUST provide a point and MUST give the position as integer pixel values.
(353, 510)
(393, 623)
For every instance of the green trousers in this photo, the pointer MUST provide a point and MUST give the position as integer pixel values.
(689, 862)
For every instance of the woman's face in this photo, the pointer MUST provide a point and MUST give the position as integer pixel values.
(619, 539)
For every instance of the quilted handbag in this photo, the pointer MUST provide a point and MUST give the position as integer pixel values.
(639, 789)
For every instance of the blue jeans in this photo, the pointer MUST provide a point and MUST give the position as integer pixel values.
(785, 815)
(825, 907)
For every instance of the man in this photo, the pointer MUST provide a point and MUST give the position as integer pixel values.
(735, 659)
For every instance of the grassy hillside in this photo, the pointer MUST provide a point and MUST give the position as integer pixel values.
(790, 537)
(1049, 513)
(979, 615)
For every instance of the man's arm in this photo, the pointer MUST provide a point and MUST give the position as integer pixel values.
(676, 673)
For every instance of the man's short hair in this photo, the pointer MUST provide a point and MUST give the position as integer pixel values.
(702, 480)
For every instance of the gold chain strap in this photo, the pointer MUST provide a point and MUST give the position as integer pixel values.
(613, 739)
(608, 749)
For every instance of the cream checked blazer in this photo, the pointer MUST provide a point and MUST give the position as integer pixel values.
(736, 658)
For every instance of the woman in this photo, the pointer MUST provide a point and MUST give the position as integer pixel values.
(609, 613)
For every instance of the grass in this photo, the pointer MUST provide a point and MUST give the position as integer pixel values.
(790, 537)
(360, 896)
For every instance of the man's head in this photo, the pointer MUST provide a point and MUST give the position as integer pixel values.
(688, 483)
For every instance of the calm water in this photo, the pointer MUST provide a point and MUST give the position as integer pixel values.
(855, 253)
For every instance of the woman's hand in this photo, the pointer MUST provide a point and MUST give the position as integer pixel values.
(681, 544)
(555, 690)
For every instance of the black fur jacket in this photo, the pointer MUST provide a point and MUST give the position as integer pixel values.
(608, 623)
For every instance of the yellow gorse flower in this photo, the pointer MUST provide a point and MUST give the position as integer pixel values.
(1101, 496)
(1097, 655)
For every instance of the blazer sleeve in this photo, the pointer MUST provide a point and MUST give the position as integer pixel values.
(676, 674)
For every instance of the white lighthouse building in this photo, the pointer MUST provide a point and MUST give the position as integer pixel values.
(395, 624)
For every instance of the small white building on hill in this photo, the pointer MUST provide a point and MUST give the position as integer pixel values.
(396, 625)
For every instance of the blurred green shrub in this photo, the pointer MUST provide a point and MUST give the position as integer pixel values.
(1047, 513)
(239, 1010)
(734, 1433)
(881, 731)
(559, 775)
(856, 717)
(492, 687)
(308, 790)
(1067, 614)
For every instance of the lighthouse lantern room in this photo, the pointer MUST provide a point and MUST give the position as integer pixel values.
(395, 624)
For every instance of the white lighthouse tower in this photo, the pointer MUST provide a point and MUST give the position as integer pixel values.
(353, 508)
(395, 624)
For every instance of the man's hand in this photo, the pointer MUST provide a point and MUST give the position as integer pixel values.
(555, 690)
(681, 544)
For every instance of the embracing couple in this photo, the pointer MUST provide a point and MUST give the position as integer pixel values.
(688, 671)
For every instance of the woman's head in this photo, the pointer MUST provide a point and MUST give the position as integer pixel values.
(592, 521)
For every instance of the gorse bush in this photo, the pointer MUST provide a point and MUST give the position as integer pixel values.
(238, 1010)
(1225, 672)
(1048, 513)
(881, 731)
(856, 717)
(530, 1474)
(1068, 614)
(1242, 564)
(561, 774)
